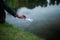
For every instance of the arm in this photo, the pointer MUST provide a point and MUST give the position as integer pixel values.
(10, 10)
(7, 8)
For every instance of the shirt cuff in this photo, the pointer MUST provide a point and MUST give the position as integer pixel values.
(16, 15)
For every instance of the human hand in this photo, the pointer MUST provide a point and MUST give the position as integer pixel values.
(22, 16)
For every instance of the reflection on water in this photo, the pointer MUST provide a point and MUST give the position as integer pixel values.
(45, 19)
(53, 2)
(32, 3)
(37, 14)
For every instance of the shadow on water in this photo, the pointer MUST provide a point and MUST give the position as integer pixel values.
(45, 15)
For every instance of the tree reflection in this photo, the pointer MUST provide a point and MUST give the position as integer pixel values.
(42, 3)
(31, 3)
(53, 2)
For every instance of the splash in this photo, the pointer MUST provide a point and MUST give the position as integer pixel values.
(29, 19)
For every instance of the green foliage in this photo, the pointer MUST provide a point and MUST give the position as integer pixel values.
(12, 3)
(10, 32)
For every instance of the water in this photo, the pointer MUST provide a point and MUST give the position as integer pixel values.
(40, 20)
(35, 16)
(29, 19)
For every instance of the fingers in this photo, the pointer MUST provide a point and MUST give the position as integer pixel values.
(22, 16)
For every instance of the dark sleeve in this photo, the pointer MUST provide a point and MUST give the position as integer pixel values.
(8, 9)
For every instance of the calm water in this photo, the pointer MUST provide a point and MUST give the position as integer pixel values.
(46, 20)
(38, 13)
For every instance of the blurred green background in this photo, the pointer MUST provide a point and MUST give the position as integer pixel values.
(15, 4)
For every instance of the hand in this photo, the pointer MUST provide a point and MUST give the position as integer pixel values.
(22, 16)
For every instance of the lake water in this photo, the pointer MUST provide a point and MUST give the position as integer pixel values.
(44, 20)
(39, 15)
